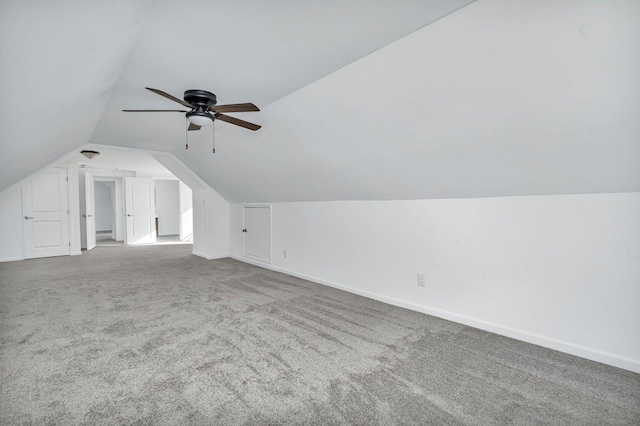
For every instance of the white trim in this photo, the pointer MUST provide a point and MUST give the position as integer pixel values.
(22, 243)
(11, 259)
(256, 205)
(217, 256)
(547, 342)
(257, 260)
(69, 197)
(75, 232)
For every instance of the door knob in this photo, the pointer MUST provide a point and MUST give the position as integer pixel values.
(28, 217)
(244, 230)
(130, 215)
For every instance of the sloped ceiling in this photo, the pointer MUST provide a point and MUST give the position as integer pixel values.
(497, 98)
(500, 98)
(246, 51)
(59, 62)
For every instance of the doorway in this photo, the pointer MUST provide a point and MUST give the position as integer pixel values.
(174, 212)
(137, 211)
(108, 212)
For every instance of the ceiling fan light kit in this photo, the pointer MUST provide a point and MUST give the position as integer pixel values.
(204, 110)
(89, 154)
(200, 118)
(202, 100)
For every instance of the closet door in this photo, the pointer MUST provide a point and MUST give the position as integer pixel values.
(140, 206)
(45, 210)
(257, 232)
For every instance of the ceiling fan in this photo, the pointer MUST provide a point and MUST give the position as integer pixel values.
(203, 109)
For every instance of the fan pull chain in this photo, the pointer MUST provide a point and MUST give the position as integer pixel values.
(213, 134)
(186, 133)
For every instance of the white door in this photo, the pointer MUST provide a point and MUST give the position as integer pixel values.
(90, 215)
(257, 232)
(140, 207)
(45, 210)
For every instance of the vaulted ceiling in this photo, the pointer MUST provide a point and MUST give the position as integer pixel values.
(360, 100)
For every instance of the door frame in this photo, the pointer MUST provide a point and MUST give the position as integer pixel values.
(119, 214)
(90, 189)
(259, 205)
(99, 175)
(182, 190)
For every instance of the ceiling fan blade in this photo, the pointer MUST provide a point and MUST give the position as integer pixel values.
(234, 108)
(193, 127)
(153, 110)
(168, 96)
(238, 122)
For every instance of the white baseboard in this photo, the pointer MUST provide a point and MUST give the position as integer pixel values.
(216, 256)
(547, 342)
(11, 259)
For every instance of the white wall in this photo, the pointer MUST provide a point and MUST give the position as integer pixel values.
(500, 98)
(167, 207)
(103, 207)
(200, 238)
(560, 271)
(186, 212)
(211, 224)
(11, 225)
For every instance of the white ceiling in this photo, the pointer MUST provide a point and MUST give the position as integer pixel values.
(59, 62)
(122, 159)
(500, 98)
(496, 98)
(72, 63)
(245, 51)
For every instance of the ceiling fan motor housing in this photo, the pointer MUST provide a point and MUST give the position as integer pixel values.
(200, 98)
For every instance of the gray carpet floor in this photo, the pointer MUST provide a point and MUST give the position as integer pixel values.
(154, 335)
(104, 239)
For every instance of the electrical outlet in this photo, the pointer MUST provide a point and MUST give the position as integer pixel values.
(285, 254)
(422, 280)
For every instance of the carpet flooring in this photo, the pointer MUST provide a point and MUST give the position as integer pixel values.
(153, 335)
(104, 239)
